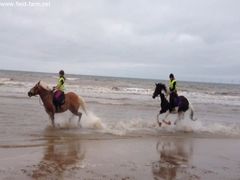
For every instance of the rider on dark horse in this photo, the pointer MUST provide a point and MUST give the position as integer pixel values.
(172, 92)
(58, 97)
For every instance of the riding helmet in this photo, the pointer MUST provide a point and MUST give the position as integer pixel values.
(61, 72)
(171, 76)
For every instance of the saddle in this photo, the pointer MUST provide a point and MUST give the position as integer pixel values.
(176, 101)
(58, 99)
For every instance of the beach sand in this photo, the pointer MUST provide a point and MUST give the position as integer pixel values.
(131, 158)
(31, 149)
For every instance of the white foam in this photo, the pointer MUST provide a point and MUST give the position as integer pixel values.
(92, 121)
(72, 79)
(124, 128)
(215, 128)
(199, 97)
(65, 120)
(68, 120)
(197, 127)
(2, 80)
(135, 90)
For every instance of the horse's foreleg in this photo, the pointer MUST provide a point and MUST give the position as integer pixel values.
(164, 120)
(51, 115)
(159, 123)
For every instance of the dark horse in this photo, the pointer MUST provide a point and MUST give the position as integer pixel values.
(182, 105)
(72, 101)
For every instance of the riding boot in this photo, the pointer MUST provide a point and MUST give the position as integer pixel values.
(173, 110)
(57, 108)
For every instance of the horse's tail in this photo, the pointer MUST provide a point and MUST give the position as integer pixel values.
(192, 112)
(82, 104)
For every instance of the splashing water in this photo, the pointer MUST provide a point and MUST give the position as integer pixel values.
(92, 121)
(139, 126)
(67, 121)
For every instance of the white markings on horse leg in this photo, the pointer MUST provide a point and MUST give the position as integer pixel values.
(179, 116)
(51, 115)
(183, 115)
(159, 123)
(164, 120)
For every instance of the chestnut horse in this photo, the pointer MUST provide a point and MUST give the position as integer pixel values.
(72, 101)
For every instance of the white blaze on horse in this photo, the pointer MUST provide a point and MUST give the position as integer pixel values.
(182, 105)
(73, 102)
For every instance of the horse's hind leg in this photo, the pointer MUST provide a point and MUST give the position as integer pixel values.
(159, 123)
(180, 116)
(51, 116)
(79, 118)
(79, 114)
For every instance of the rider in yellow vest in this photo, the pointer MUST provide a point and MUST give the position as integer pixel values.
(61, 80)
(173, 92)
(58, 98)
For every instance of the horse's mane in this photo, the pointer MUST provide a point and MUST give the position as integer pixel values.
(44, 85)
(162, 86)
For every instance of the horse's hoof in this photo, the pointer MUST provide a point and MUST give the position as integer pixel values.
(167, 122)
(160, 124)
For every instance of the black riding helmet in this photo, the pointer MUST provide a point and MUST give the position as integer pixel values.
(61, 72)
(171, 76)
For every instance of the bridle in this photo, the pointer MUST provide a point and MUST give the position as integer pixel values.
(46, 94)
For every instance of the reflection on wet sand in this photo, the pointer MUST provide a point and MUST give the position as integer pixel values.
(63, 152)
(175, 154)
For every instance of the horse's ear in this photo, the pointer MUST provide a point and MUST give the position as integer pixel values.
(38, 83)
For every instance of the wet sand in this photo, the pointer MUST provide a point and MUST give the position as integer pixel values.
(30, 149)
(70, 157)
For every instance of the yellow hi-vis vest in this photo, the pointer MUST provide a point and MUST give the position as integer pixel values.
(60, 86)
(171, 86)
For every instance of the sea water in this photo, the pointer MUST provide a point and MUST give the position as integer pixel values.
(118, 107)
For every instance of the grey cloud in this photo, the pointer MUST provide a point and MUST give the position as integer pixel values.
(147, 38)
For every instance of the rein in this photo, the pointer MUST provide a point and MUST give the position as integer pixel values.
(45, 95)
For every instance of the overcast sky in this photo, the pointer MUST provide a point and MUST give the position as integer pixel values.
(195, 40)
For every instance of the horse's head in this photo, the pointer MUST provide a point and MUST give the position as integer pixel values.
(37, 89)
(158, 90)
